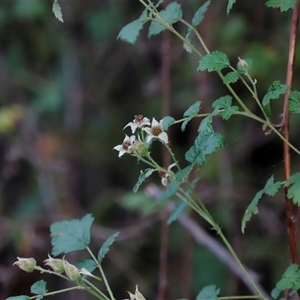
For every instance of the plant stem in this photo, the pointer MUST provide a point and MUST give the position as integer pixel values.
(102, 274)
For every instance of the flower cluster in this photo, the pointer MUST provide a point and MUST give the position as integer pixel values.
(137, 143)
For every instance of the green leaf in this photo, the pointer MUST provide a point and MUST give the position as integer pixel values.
(171, 14)
(205, 144)
(223, 107)
(190, 113)
(137, 202)
(183, 174)
(143, 176)
(294, 102)
(177, 212)
(206, 125)
(105, 247)
(68, 236)
(199, 14)
(275, 90)
(209, 292)
(290, 280)
(56, 9)
(229, 6)
(130, 32)
(39, 288)
(214, 61)
(18, 298)
(167, 121)
(294, 188)
(169, 191)
(283, 4)
(88, 264)
(271, 188)
(231, 77)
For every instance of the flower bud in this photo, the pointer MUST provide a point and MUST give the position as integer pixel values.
(140, 148)
(71, 271)
(242, 65)
(26, 264)
(56, 264)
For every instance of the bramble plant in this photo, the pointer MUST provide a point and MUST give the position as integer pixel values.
(68, 236)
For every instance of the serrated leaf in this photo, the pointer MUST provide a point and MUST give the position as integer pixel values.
(275, 90)
(206, 125)
(214, 61)
(177, 212)
(223, 107)
(39, 288)
(283, 4)
(171, 14)
(229, 6)
(231, 77)
(170, 190)
(209, 292)
(144, 174)
(294, 102)
(199, 14)
(22, 297)
(251, 210)
(290, 280)
(167, 121)
(56, 9)
(130, 32)
(105, 247)
(271, 188)
(183, 174)
(190, 113)
(68, 236)
(88, 264)
(205, 144)
(294, 188)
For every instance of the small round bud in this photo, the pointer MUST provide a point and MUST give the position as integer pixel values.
(140, 148)
(26, 264)
(242, 65)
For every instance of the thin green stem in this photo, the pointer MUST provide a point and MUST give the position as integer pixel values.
(102, 274)
(95, 290)
(58, 292)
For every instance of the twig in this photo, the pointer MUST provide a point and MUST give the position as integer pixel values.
(285, 126)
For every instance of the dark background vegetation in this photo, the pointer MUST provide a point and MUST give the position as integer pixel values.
(68, 89)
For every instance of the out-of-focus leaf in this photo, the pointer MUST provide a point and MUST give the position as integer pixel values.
(171, 14)
(57, 11)
(199, 14)
(105, 247)
(209, 292)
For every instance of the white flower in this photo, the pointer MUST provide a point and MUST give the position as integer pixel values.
(139, 121)
(165, 176)
(156, 131)
(124, 147)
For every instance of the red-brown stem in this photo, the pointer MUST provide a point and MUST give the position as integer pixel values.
(166, 88)
(291, 229)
